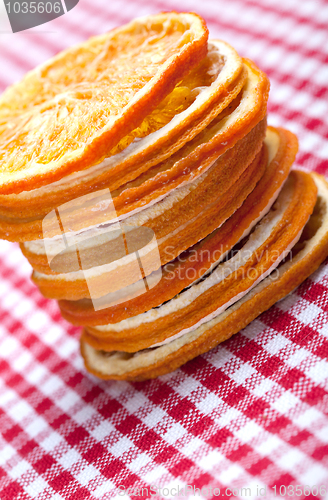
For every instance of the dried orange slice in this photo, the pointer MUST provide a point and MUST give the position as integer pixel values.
(306, 257)
(103, 278)
(264, 249)
(183, 167)
(181, 205)
(70, 112)
(177, 275)
(177, 223)
(189, 108)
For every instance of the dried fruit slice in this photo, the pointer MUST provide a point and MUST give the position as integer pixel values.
(306, 257)
(189, 108)
(183, 167)
(177, 224)
(177, 275)
(69, 113)
(268, 244)
(181, 205)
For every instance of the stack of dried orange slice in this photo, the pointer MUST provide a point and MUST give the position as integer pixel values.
(150, 197)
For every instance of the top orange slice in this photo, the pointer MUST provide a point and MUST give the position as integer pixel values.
(68, 113)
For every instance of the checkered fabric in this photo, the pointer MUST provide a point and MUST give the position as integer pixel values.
(249, 418)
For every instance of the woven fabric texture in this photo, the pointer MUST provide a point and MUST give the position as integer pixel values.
(248, 418)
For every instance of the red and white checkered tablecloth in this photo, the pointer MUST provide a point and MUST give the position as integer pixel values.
(246, 417)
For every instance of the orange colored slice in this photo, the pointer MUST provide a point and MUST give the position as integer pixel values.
(189, 108)
(273, 236)
(181, 205)
(177, 275)
(305, 258)
(181, 225)
(193, 159)
(70, 112)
